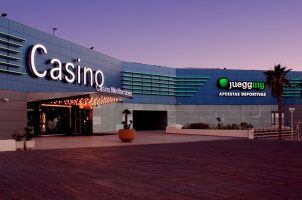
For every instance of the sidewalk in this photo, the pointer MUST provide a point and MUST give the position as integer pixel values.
(142, 138)
(221, 169)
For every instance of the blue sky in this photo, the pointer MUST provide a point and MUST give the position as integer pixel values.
(248, 34)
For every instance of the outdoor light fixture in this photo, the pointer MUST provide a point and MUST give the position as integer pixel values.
(4, 100)
(91, 48)
(77, 60)
(3, 15)
(53, 31)
(88, 101)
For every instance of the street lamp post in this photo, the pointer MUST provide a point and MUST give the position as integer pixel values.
(53, 31)
(292, 110)
(298, 130)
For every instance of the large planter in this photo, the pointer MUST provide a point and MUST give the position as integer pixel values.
(25, 145)
(210, 132)
(126, 135)
(30, 144)
(7, 145)
(19, 145)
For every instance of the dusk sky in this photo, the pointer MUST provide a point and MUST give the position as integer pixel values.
(240, 34)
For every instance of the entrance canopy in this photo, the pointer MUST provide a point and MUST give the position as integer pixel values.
(85, 100)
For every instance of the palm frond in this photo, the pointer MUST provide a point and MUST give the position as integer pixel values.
(276, 79)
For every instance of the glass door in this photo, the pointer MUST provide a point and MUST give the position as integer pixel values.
(275, 118)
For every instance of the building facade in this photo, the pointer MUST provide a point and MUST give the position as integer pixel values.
(49, 83)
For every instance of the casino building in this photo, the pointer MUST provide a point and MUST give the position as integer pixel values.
(59, 87)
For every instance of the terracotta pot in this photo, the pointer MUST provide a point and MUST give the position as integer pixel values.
(126, 135)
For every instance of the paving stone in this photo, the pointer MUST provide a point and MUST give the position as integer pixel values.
(220, 169)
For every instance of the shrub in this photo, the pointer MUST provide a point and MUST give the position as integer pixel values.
(235, 126)
(18, 135)
(196, 126)
(228, 126)
(245, 126)
(27, 134)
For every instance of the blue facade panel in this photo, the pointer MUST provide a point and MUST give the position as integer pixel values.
(208, 94)
(187, 80)
(58, 48)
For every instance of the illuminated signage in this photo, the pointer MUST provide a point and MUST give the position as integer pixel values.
(225, 83)
(246, 86)
(242, 94)
(112, 90)
(67, 72)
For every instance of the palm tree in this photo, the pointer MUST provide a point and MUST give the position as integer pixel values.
(276, 79)
(126, 125)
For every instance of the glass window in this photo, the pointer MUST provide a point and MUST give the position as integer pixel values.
(275, 118)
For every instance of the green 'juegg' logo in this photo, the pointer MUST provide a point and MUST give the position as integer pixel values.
(223, 82)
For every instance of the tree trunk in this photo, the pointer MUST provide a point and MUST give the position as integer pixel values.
(280, 116)
(126, 121)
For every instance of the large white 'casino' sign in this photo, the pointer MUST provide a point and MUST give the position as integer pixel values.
(64, 72)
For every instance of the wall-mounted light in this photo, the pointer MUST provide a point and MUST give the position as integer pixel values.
(4, 100)
(77, 60)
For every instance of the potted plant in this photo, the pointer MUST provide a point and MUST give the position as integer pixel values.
(126, 134)
(23, 139)
(28, 142)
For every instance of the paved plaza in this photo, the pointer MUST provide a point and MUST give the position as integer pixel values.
(209, 169)
(107, 140)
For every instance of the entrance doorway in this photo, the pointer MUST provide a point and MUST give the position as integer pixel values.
(48, 119)
(149, 120)
(84, 120)
(69, 115)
